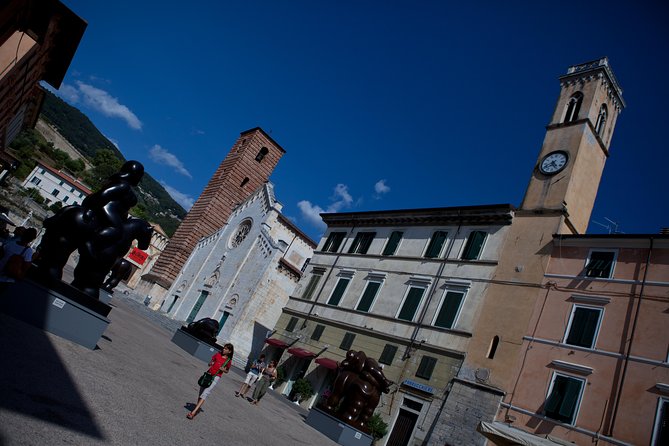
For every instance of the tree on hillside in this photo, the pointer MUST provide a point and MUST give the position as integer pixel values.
(105, 164)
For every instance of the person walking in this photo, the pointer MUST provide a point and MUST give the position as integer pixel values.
(268, 376)
(251, 377)
(220, 363)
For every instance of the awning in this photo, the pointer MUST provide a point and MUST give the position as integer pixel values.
(301, 353)
(276, 343)
(504, 435)
(328, 363)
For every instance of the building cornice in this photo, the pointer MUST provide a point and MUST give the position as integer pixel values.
(265, 134)
(283, 219)
(596, 69)
(500, 214)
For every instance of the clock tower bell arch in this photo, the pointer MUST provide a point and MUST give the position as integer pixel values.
(571, 161)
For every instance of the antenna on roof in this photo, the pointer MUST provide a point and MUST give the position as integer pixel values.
(612, 227)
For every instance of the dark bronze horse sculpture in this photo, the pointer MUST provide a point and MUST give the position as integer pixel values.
(99, 228)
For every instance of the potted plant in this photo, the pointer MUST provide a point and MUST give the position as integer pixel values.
(302, 389)
(377, 427)
(280, 377)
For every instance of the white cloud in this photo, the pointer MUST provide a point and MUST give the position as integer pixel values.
(311, 213)
(183, 199)
(68, 93)
(163, 156)
(103, 102)
(381, 187)
(341, 198)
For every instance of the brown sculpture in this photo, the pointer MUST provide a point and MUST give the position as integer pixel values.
(357, 390)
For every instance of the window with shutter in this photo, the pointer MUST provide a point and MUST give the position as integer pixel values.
(318, 332)
(338, 291)
(393, 243)
(449, 309)
(291, 324)
(436, 243)
(347, 341)
(388, 354)
(411, 303)
(426, 367)
(368, 296)
(474, 245)
(583, 326)
(563, 398)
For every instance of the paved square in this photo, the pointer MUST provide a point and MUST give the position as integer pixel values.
(133, 390)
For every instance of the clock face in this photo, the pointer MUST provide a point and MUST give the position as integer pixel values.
(553, 163)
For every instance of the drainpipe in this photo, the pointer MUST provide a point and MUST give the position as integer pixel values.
(431, 294)
(629, 347)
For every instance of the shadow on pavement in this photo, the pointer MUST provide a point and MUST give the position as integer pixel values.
(35, 382)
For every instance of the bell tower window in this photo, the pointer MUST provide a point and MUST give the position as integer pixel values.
(601, 121)
(263, 152)
(573, 107)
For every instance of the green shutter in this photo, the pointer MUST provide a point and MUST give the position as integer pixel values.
(347, 341)
(368, 296)
(366, 242)
(583, 327)
(436, 243)
(561, 403)
(393, 243)
(361, 242)
(291, 324)
(474, 245)
(411, 303)
(426, 367)
(449, 309)
(600, 264)
(311, 286)
(338, 291)
(333, 242)
(318, 332)
(388, 354)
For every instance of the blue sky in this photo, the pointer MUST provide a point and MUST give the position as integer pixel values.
(379, 105)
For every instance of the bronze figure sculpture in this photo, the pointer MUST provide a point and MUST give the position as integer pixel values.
(357, 390)
(100, 229)
(120, 271)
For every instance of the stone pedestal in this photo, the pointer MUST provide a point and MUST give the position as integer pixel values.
(61, 310)
(336, 430)
(194, 346)
(105, 296)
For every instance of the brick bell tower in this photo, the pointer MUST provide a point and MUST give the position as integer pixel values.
(248, 165)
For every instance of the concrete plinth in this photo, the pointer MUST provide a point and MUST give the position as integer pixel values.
(336, 430)
(201, 350)
(65, 312)
(105, 296)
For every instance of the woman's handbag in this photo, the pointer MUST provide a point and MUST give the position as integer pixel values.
(207, 378)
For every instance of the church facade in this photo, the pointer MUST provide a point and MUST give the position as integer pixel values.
(242, 274)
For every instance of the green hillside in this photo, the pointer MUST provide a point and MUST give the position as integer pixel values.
(155, 204)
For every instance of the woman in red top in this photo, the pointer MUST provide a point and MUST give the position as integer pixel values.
(220, 363)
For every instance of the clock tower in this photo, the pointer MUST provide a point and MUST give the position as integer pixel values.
(576, 146)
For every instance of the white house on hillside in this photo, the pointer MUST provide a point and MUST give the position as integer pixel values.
(55, 185)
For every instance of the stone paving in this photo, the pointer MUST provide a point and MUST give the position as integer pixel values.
(134, 389)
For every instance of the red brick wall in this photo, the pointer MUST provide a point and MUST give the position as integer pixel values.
(223, 193)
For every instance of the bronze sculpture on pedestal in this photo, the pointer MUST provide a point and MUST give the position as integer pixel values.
(357, 390)
(100, 228)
